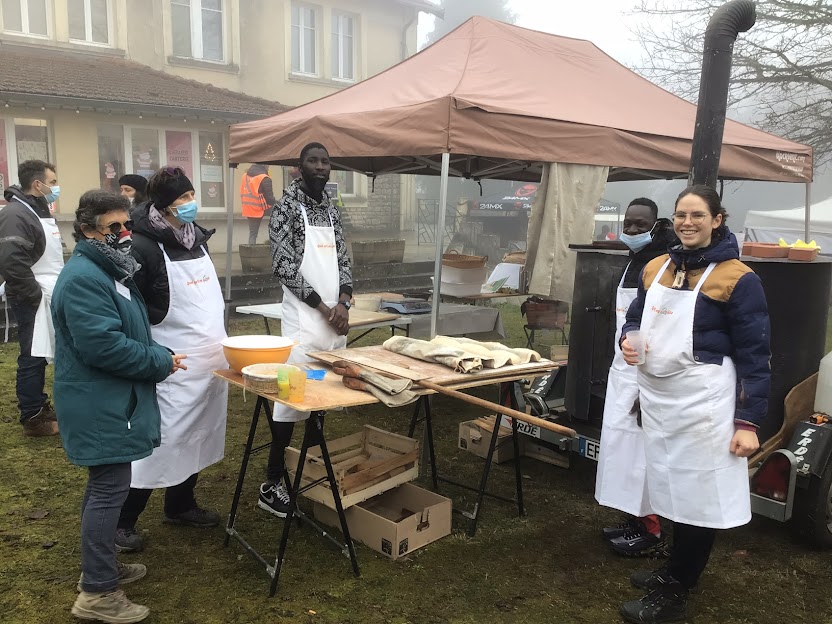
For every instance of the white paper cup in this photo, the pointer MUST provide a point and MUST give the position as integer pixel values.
(638, 341)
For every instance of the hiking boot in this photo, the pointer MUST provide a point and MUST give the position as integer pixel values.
(128, 540)
(639, 543)
(274, 498)
(653, 579)
(42, 424)
(196, 517)
(127, 573)
(666, 604)
(112, 607)
(611, 533)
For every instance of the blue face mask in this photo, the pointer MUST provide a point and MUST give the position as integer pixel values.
(637, 242)
(186, 213)
(53, 194)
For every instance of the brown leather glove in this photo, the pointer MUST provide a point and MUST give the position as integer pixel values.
(354, 384)
(346, 369)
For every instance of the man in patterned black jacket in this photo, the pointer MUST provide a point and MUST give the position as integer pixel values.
(310, 259)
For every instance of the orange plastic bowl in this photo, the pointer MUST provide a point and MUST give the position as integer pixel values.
(241, 351)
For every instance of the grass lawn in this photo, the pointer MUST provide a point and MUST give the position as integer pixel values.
(548, 567)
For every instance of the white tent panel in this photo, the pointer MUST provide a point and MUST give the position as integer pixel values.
(768, 226)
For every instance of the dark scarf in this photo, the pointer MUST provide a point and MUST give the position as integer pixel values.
(124, 261)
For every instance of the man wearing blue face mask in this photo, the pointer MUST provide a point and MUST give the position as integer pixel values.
(186, 308)
(620, 480)
(31, 257)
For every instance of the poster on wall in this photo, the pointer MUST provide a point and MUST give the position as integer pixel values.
(32, 150)
(4, 163)
(211, 173)
(178, 150)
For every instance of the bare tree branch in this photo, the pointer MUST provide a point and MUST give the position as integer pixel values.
(782, 67)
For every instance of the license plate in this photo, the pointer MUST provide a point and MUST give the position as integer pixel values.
(522, 427)
(588, 448)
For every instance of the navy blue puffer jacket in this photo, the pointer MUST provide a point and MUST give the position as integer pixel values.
(730, 318)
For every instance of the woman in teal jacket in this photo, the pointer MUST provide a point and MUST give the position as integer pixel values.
(106, 370)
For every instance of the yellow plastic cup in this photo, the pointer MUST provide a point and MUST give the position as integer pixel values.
(283, 389)
(297, 385)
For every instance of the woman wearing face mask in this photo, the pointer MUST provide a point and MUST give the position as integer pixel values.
(703, 388)
(185, 305)
(107, 366)
(621, 471)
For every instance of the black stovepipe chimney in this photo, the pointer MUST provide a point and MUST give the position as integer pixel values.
(726, 23)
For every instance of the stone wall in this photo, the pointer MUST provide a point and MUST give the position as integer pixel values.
(382, 210)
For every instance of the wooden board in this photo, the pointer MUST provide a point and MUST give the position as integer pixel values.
(379, 358)
(365, 317)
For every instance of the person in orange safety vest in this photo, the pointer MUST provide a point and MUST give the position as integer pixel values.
(257, 197)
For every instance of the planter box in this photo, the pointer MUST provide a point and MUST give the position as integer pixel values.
(397, 522)
(378, 251)
(365, 464)
(256, 258)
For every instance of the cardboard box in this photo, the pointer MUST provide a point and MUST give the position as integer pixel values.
(397, 522)
(559, 353)
(475, 436)
(544, 453)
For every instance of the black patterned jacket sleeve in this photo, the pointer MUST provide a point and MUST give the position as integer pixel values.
(344, 265)
(287, 237)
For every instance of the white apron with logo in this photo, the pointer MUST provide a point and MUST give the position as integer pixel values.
(46, 271)
(193, 402)
(688, 418)
(305, 325)
(620, 480)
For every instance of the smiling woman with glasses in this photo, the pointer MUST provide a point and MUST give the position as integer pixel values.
(106, 370)
(703, 385)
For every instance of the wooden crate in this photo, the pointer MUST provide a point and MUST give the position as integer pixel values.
(365, 464)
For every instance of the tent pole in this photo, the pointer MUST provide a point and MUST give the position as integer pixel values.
(229, 250)
(440, 244)
(807, 233)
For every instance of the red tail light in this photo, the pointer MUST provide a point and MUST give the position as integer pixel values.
(772, 478)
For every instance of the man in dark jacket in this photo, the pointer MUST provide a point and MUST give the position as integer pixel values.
(29, 262)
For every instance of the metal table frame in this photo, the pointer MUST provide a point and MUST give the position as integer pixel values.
(508, 397)
(313, 435)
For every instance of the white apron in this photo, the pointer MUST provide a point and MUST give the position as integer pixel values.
(620, 480)
(46, 271)
(193, 403)
(688, 418)
(305, 325)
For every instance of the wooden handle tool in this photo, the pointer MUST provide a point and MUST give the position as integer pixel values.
(500, 409)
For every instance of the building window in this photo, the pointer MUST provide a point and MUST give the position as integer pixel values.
(345, 181)
(304, 40)
(197, 29)
(145, 150)
(211, 170)
(343, 47)
(111, 164)
(32, 139)
(27, 17)
(89, 21)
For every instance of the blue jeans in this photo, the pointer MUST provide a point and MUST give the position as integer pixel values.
(107, 488)
(31, 371)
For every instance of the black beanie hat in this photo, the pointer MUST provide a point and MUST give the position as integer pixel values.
(167, 185)
(135, 181)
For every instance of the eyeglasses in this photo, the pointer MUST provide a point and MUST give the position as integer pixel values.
(116, 227)
(697, 218)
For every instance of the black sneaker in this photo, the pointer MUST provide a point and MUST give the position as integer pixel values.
(127, 540)
(196, 517)
(274, 498)
(654, 579)
(666, 604)
(610, 533)
(639, 543)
